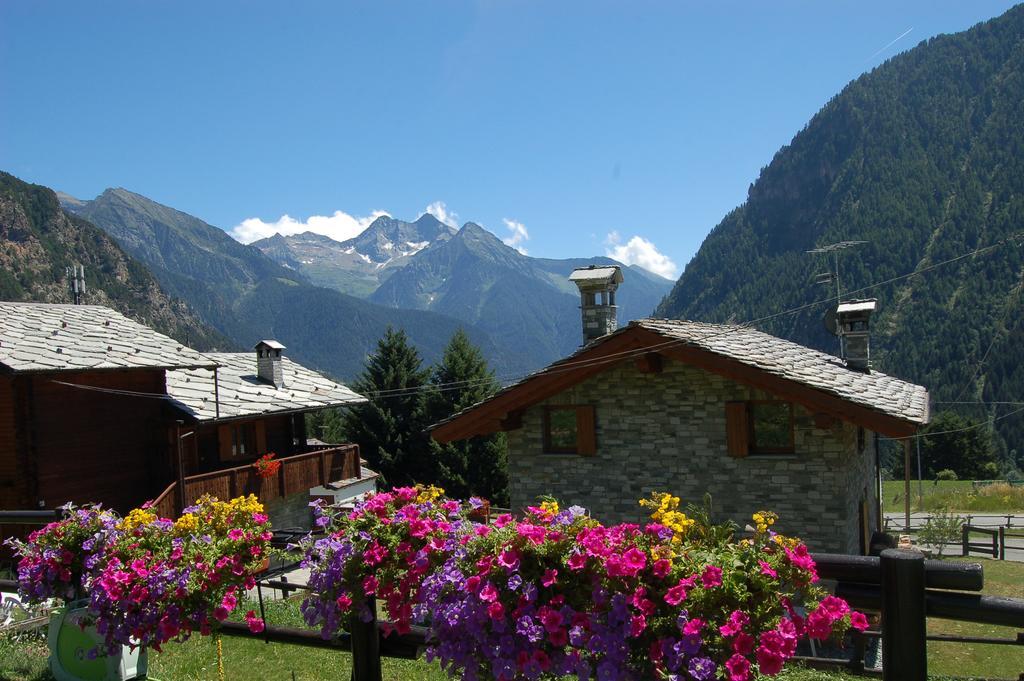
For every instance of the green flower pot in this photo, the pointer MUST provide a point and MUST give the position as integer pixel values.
(71, 642)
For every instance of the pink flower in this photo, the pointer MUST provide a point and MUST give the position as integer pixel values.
(743, 643)
(577, 561)
(256, 624)
(737, 620)
(235, 534)
(835, 607)
(550, 577)
(766, 569)
(496, 610)
(675, 595)
(769, 662)
(344, 602)
(661, 568)
(858, 621)
(693, 627)
(637, 624)
(550, 618)
(220, 613)
(502, 520)
(472, 584)
(509, 559)
(711, 577)
(738, 668)
(633, 561)
(558, 638)
(370, 585)
(488, 593)
(819, 625)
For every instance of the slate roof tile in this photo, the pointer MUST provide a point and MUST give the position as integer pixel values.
(46, 337)
(243, 393)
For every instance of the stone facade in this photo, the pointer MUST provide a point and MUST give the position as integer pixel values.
(667, 432)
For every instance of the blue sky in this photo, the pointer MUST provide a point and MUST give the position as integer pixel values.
(581, 127)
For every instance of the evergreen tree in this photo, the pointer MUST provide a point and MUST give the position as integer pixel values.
(476, 466)
(390, 428)
(951, 442)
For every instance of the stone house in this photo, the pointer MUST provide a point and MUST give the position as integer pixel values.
(690, 408)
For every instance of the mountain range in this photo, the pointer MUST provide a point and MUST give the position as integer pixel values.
(39, 242)
(923, 160)
(330, 301)
(469, 274)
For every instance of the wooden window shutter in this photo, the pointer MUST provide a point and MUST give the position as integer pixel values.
(736, 429)
(261, 438)
(586, 431)
(225, 439)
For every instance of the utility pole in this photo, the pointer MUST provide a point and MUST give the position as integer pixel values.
(833, 276)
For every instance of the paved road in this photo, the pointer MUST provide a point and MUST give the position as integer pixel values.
(1014, 545)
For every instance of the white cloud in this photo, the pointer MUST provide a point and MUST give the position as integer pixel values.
(518, 237)
(440, 211)
(339, 226)
(640, 251)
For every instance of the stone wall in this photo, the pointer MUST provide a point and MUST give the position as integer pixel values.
(667, 432)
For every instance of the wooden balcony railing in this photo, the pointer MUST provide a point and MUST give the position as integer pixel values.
(297, 473)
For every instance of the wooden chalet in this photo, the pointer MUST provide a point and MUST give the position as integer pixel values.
(95, 407)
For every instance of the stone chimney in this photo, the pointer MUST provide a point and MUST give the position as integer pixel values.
(853, 319)
(597, 285)
(268, 362)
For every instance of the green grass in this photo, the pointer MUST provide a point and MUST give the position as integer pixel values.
(1002, 578)
(955, 495)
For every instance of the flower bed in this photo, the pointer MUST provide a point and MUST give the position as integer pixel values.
(149, 580)
(556, 593)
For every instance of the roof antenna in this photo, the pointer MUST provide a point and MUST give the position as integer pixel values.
(76, 280)
(833, 277)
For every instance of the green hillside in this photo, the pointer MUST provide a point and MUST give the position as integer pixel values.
(38, 241)
(923, 158)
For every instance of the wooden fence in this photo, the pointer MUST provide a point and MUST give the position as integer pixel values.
(297, 473)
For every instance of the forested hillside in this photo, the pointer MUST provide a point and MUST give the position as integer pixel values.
(39, 241)
(923, 158)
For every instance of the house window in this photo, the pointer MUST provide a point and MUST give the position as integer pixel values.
(760, 427)
(771, 427)
(569, 430)
(244, 440)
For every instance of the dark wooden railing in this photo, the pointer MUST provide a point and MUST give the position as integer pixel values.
(297, 473)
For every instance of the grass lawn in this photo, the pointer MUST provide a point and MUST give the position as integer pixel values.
(1002, 578)
(956, 495)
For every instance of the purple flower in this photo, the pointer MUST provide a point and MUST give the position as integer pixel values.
(702, 668)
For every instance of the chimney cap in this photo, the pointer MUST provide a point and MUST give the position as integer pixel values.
(268, 343)
(597, 274)
(849, 306)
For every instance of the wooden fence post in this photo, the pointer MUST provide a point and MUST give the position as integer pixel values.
(366, 647)
(904, 646)
(1002, 543)
(965, 537)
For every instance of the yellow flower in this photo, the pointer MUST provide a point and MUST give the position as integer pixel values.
(430, 493)
(135, 518)
(549, 507)
(186, 524)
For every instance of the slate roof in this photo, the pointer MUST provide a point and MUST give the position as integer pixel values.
(36, 337)
(799, 363)
(596, 274)
(243, 393)
(875, 390)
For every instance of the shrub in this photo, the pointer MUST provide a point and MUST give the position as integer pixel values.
(941, 528)
(946, 474)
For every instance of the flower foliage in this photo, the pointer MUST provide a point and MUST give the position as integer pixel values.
(56, 559)
(386, 548)
(150, 580)
(557, 593)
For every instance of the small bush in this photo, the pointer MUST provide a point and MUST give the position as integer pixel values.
(942, 528)
(946, 474)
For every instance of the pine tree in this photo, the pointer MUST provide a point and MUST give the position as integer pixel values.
(390, 429)
(476, 466)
